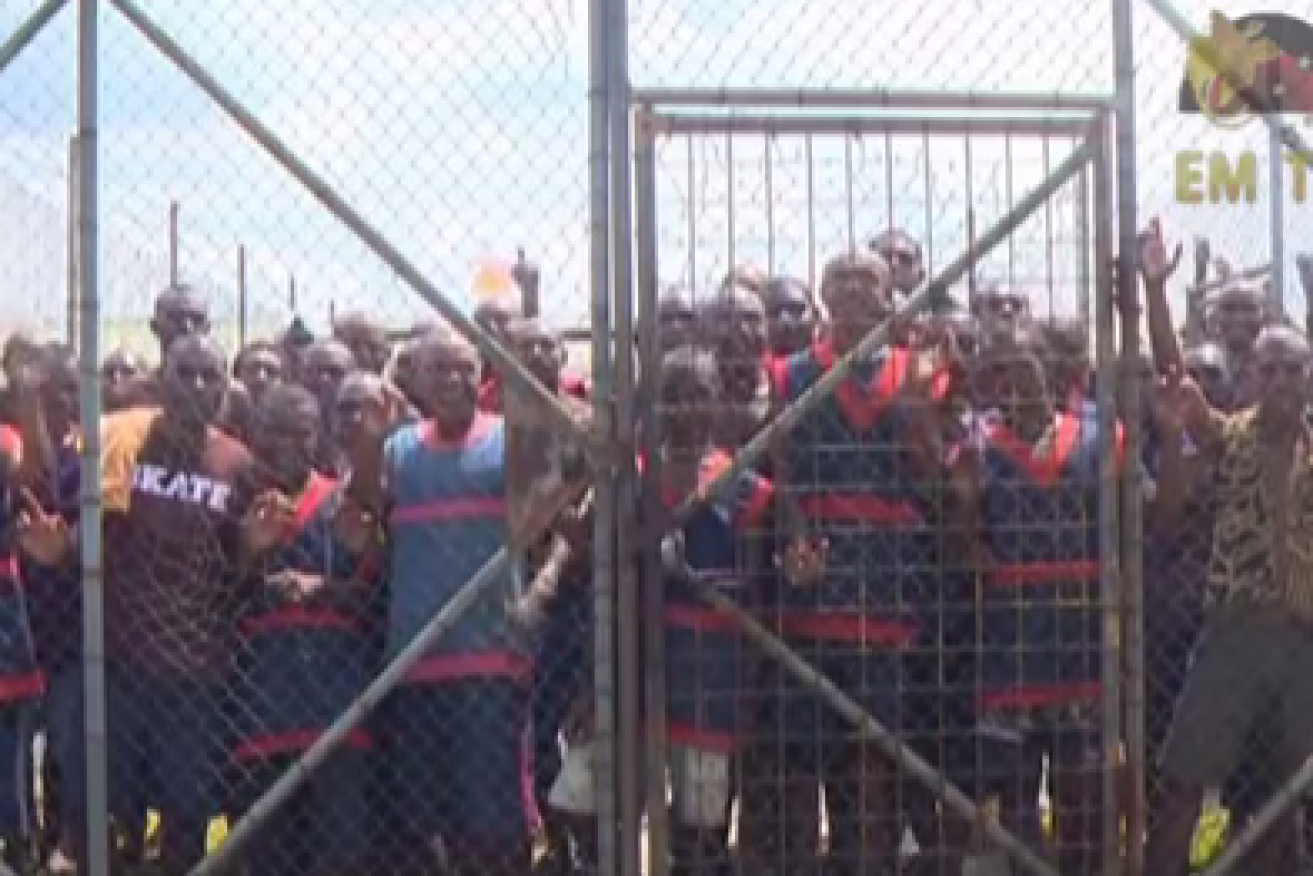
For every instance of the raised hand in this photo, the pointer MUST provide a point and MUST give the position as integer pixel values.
(526, 612)
(1155, 265)
(803, 560)
(1180, 402)
(268, 521)
(295, 586)
(43, 536)
(355, 526)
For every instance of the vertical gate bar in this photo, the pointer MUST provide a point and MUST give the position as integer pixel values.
(628, 685)
(770, 204)
(1277, 291)
(71, 303)
(1132, 519)
(242, 309)
(729, 198)
(1048, 233)
(929, 205)
(811, 213)
(691, 158)
(90, 513)
(1109, 541)
(173, 249)
(604, 678)
(1083, 245)
(848, 192)
(970, 197)
(649, 424)
(1007, 193)
(890, 224)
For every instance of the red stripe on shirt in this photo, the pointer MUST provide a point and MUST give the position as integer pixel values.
(11, 441)
(299, 617)
(1036, 696)
(701, 740)
(455, 667)
(22, 687)
(292, 742)
(850, 628)
(1045, 572)
(471, 508)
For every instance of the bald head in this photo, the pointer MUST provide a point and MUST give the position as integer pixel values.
(1235, 317)
(366, 338)
(790, 314)
(324, 365)
(857, 290)
(195, 379)
(446, 372)
(903, 254)
(736, 320)
(179, 310)
(676, 316)
(1278, 373)
(493, 314)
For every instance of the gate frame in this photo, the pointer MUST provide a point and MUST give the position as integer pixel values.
(1086, 116)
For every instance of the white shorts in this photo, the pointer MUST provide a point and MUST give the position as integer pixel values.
(700, 782)
(575, 789)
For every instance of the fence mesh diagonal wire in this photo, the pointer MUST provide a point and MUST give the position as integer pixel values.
(372, 602)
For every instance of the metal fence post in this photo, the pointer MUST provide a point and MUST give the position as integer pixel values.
(1277, 291)
(71, 304)
(93, 634)
(649, 424)
(1110, 565)
(628, 683)
(1130, 587)
(604, 616)
(173, 244)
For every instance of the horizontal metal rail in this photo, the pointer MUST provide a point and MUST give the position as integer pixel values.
(870, 98)
(1071, 125)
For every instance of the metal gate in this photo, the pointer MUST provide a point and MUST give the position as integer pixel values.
(782, 181)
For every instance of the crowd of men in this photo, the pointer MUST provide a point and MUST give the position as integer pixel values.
(928, 537)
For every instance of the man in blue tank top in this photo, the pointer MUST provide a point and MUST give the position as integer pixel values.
(1034, 480)
(853, 474)
(456, 725)
(704, 653)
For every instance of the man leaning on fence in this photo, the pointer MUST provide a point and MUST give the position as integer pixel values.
(1257, 641)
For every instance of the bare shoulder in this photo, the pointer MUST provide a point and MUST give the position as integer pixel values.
(225, 451)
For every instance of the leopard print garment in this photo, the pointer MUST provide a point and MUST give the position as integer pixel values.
(1242, 567)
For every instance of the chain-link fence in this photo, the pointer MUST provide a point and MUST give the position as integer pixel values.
(799, 498)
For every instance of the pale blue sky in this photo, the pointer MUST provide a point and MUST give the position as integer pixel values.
(458, 127)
